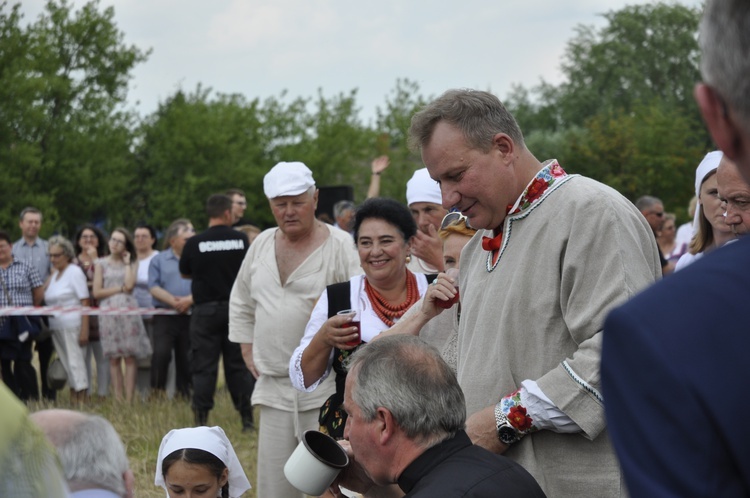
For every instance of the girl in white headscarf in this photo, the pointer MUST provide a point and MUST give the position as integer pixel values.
(199, 460)
(709, 228)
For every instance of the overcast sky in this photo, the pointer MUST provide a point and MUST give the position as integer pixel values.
(260, 47)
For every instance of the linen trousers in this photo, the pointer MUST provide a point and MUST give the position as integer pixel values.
(279, 434)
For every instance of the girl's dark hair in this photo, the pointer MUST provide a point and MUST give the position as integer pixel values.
(388, 210)
(197, 457)
(129, 246)
(150, 229)
(101, 250)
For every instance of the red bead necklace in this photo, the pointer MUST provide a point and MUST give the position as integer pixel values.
(385, 310)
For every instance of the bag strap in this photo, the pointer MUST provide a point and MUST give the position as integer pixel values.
(339, 297)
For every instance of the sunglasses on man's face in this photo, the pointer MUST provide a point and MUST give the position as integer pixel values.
(453, 218)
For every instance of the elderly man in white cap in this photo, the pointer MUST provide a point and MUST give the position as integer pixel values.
(426, 205)
(284, 272)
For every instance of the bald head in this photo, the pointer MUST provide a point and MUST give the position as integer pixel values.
(90, 450)
(57, 424)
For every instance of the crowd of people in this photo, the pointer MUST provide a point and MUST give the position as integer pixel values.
(511, 329)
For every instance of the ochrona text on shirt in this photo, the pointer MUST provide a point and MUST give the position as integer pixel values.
(221, 245)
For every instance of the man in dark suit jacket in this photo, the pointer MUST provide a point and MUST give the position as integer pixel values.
(675, 366)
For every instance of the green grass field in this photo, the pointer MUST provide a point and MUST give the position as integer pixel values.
(143, 424)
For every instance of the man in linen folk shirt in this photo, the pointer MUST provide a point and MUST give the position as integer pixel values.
(674, 363)
(283, 274)
(560, 251)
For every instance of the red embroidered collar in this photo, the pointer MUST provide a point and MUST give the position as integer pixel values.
(546, 177)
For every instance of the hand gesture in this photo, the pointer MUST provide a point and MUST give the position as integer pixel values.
(380, 164)
(441, 290)
(428, 247)
(91, 252)
(126, 257)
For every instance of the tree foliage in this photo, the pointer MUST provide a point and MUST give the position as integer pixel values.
(64, 144)
(624, 115)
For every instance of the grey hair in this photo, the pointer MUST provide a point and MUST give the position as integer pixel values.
(93, 453)
(64, 244)
(646, 201)
(341, 207)
(408, 377)
(725, 45)
(478, 115)
(28, 210)
(174, 229)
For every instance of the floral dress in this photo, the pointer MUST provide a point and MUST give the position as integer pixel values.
(121, 335)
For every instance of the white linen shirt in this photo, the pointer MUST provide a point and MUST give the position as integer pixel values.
(273, 317)
(70, 289)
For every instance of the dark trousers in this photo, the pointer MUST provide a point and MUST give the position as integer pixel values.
(171, 333)
(18, 373)
(209, 339)
(45, 349)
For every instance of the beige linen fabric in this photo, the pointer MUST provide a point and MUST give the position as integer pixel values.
(564, 263)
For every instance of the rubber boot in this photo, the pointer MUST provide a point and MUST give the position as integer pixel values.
(201, 417)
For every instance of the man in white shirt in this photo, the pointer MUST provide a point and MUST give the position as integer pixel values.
(284, 272)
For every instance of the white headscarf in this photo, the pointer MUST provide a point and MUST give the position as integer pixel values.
(212, 440)
(709, 164)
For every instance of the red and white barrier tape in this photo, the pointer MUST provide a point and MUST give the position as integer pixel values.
(80, 310)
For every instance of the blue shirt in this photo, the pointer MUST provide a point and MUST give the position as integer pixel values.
(36, 254)
(19, 279)
(164, 272)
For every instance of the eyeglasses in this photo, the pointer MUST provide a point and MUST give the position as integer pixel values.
(117, 241)
(240, 203)
(454, 217)
(88, 237)
(55, 254)
(657, 213)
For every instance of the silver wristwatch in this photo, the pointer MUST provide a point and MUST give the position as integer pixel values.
(506, 433)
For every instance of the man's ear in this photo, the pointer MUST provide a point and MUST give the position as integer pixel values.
(725, 131)
(386, 425)
(504, 145)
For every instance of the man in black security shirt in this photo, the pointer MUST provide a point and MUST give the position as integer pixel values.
(412, 433)
(213, 259)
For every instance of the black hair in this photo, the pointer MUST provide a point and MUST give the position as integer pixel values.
(217, 205)
(5, 236)
(101, 250)
(150, 229)
(388, 210)
(195, 456)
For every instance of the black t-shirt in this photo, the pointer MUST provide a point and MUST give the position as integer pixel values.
(213, 259)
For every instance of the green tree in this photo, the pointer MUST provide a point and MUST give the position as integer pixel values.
(65, 141)
(645, 53)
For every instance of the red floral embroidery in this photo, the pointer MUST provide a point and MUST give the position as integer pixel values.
(536, 189)
(556, 170)
(518, 418)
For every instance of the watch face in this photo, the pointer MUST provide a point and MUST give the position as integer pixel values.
(507, 435)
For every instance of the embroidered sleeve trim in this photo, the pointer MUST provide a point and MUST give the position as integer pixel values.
(516, 414)
(585, 385)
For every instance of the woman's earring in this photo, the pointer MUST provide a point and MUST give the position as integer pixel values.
(408, 259)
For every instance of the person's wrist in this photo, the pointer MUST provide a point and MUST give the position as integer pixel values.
(375, 173)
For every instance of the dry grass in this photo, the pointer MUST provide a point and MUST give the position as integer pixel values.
(143, 424)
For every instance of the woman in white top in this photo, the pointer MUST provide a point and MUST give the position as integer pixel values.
(383, 232)
(711, 230)
(70, 331)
